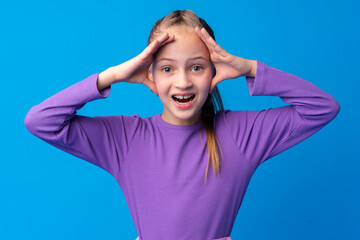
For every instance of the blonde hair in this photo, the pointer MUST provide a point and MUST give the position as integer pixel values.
(213, 103)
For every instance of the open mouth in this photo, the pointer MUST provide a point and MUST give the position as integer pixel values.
(184, 99)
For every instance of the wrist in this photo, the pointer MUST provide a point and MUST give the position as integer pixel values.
(105, 79)
(253, 68)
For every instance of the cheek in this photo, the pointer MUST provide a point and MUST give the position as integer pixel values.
(162, 85)
(206, 81)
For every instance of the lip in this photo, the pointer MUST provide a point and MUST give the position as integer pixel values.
(181, 106)
(183, 94)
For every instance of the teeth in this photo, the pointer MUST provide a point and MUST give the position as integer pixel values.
(183, 97)
(183, 103)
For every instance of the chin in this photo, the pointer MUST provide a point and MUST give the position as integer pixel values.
(187, 116)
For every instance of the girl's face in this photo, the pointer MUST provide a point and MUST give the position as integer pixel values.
(181, 67)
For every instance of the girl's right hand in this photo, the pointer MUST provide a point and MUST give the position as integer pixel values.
(136, 69)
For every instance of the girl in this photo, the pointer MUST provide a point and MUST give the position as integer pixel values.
(159, 162)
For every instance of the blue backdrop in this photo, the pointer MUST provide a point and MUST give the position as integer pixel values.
(310, 191)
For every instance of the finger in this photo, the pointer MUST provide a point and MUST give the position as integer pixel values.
(169, 39)
(156, 44)
(207, 37)
(211, 42)
(204, 39)
(166, 41)
(199, 33)
(197, 30)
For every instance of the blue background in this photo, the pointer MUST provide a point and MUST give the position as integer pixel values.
(310, 191)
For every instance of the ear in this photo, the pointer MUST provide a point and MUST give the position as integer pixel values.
(150, 76)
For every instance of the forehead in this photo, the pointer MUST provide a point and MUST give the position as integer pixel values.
(187, 44)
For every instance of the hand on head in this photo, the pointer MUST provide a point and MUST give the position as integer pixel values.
(227, 66)
(136, 69)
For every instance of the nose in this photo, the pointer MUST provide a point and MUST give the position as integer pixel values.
(183, 81)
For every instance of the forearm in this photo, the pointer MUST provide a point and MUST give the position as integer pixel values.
(48, 117)
(105, 79)
(307, 99)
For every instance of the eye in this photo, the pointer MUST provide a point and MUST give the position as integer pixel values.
(197, 68)
(166, 69)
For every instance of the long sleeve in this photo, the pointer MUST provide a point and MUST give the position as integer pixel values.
(102, 141)
(260, 135)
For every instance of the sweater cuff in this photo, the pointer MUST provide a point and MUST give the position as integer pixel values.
(104, 93)
(255, 84)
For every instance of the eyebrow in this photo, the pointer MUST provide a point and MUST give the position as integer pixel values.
(170, 59)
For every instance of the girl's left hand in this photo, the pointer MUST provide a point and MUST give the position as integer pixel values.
(227, 66)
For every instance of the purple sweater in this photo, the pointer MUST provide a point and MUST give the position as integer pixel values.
(160, 167)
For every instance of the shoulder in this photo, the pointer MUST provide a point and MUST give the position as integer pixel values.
(226, 116)
(123, 122)
(221, 119)
(121, 118)
(234, 120)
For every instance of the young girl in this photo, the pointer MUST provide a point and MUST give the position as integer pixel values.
(162, 162)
